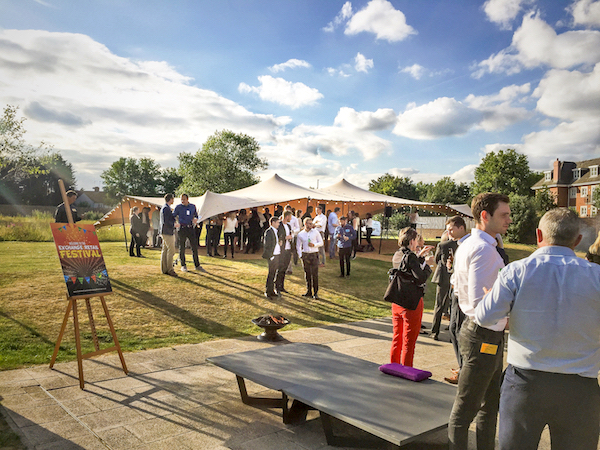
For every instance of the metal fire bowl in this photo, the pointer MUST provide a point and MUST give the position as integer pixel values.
(270, 333)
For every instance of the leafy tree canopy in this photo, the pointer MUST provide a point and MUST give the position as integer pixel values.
(29, 175)
(132, 176)
(444, 191)
(227, 161)
(506, 172)
(401, 187)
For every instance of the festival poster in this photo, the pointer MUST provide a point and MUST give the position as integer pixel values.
(81, 259)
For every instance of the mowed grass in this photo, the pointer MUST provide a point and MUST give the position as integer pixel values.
(151, 310)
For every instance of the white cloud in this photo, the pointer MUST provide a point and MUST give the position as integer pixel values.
(339, 72)
(362, 64)
(96, 107)
(283, 92)
(586, 12)
(498, 110)
(344, 14)
(440, 118)
(569, 95)
(290, 64)
(503, 12)
(416, 71)
(536, 44)
(365, 120)
(380, 17)
(352, 132)
(465, 175)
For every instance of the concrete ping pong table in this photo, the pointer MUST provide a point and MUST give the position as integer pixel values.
(343, 387)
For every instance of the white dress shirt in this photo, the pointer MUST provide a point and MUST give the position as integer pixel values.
(288, 231)
(295, 224)
(553, 300)
(277, 249)
(476, 265)
(304, 237)
(320, 223)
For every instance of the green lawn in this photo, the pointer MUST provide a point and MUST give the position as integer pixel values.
(152, 310)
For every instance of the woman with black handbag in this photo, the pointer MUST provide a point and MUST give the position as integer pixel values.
(406, 294)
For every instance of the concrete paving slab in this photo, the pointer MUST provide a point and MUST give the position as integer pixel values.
(172, 399)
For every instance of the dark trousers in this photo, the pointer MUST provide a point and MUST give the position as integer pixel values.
(456, 320)
(137, 242)
(229, 240)
(284, 262)
(187, 233)
(273, 266)
(478, 394)
(369, 233)
(442, 299)
(197, 233)
(568, 404)
(344, 253)
(354, 246)
(310, 261)
(217, 238)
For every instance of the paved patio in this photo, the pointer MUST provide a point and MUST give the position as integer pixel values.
(173, 399)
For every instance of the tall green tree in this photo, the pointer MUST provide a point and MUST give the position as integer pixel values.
(226, 162)
(29, 175)
(445, 191)
(402, 187)
(506, 172)
(170, 181)
(132, 176)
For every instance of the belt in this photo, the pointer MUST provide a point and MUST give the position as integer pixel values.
(310, 253)
(472, 326)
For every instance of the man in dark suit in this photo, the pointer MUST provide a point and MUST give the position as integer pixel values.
(285, 235)
(272, 253)
(441, 277)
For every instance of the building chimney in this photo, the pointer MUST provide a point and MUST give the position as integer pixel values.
(96, 189)
(556, 171)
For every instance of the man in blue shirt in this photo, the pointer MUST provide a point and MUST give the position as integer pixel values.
(187, 216)
(332, 224)
(553, 298)
(167, 232)
(343, 237)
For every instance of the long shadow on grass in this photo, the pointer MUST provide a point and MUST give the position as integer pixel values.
(31, 330)
(175, 312)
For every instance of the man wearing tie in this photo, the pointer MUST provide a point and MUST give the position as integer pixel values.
(286, 235)
(272, 252)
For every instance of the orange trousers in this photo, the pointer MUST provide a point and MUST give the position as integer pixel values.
(407, 325)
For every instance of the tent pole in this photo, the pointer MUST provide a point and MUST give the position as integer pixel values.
(123, 224)
(385, 225)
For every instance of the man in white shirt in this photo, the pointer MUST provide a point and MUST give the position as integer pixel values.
(308, 242)
(286, 234)
(320, 224)
(296, 227)
(553, 346)
(476, 267)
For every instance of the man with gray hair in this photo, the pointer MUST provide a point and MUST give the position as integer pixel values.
(553, 298)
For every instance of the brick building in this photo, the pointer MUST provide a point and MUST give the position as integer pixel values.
(573, 184)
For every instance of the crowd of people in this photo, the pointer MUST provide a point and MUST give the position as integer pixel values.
(552, 301)
(551, 298)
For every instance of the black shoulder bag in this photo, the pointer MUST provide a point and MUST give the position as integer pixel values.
(403, 289)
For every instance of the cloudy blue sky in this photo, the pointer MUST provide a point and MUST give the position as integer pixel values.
(329, 88)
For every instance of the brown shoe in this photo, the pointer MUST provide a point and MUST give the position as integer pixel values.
(446, 316)
(452, 380)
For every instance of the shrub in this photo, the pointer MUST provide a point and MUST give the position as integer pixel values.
(524, 219)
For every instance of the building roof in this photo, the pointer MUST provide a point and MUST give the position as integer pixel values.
(566, 174)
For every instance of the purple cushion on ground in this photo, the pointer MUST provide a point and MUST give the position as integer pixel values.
(410, 373)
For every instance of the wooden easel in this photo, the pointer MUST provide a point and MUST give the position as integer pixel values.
(72, 305)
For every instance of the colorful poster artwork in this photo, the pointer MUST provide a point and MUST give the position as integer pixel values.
(81, 259)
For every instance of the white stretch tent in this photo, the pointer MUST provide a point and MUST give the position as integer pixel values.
(273, 191)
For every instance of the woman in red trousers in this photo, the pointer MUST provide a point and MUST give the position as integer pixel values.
(407, 322)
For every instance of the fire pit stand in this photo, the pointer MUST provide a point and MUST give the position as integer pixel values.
(270, 324)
